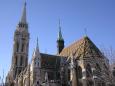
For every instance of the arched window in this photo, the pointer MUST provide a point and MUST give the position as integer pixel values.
(88, 71)
(79, 72)
(17, 47)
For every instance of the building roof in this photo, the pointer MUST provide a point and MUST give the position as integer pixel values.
(82, 48)
(50, 61)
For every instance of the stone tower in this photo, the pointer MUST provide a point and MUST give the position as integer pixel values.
(20, 46)
(60, 41)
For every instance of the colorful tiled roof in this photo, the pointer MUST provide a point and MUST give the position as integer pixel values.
(81, 48)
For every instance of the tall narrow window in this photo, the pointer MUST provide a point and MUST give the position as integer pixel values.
(21, 60)
(17, 47)
(88, 71)
(22, 49)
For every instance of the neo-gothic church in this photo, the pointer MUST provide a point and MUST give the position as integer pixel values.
(80, 64)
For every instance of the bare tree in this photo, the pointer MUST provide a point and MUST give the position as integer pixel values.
(109, 53)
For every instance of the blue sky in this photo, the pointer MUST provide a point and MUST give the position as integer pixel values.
(98, 16)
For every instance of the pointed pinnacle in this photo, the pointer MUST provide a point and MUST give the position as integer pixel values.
(60, 33)
(37, 43)
(23, 17)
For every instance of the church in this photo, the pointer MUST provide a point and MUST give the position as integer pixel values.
(79, 64)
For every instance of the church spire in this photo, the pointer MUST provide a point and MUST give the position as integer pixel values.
(37, 46)
(36, 51)
(60, 41)
(60, 37)
(36, 58)
(23, 17)
(22, 25)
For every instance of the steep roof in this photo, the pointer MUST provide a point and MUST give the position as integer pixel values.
(50, 61)
(82, 48)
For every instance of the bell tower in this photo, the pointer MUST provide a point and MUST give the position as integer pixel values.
(60, 40)
(20, 46)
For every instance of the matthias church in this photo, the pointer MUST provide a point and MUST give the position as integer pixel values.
(79, 64)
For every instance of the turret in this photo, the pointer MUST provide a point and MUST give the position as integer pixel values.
(36, 65)
(36, 58)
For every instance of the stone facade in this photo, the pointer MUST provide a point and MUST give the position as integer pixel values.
(80, 64)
